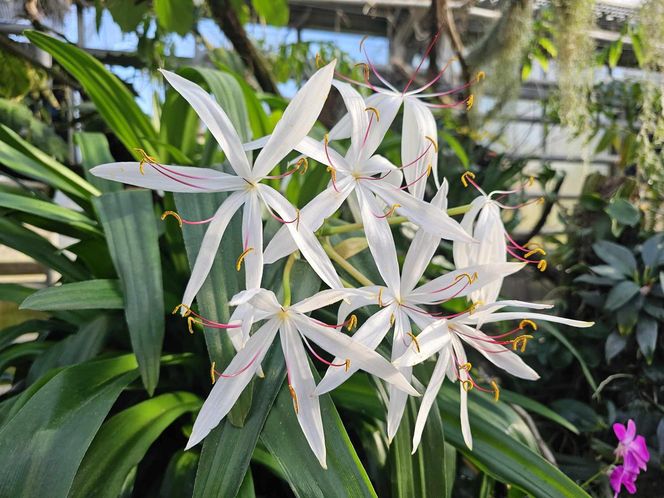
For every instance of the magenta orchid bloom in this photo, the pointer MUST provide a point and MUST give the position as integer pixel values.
(620, 476)
(631, 448)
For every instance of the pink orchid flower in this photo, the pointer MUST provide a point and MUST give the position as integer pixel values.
(621, 476)
(631, 448)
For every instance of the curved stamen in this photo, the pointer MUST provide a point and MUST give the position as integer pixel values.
(389, 213)
(296, 405)
(468, 177)
(181, 220)
(345, 364)
(373, 68)
(419, 66)
(350, 324)
(201, 320)
(478, 77)
(468, 102)
(425, 174)
(414, 341)
(521, 342)
(470, 280)
(424, 153)
(240, 259)
(301, 163)
(213, 372)
(330, 169)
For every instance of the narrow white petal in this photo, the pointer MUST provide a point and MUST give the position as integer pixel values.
(302, 382)
(321, 300)
(387, 105)
(360, 356)
(377, 164)
(210, 245)
(516, 315)
(259, 143)
(262, 300)
(360, 298)
(452, 284)
(463, 252)
(421, 249)
(215, 119)
(463, 408)
(432, 339)
(296, 121)
(313, 215)
(320, 153)
(227, 390)
(304, 237)
(430, 218)
(169, 178)
(379, 237)
(430, 395)
(418, 123)
(397, 399)
(252, 236)
(359, 121)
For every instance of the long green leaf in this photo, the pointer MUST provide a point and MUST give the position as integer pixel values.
(49, 432)
(113, 100)
(87, 295)
(49, 211)
(575, 352)
(95, 151)
(131, 233)
(122, 442)
(9, 334)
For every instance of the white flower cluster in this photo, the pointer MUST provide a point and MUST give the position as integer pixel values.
(375, 189)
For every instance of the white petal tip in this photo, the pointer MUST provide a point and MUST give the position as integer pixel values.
(190, 444)
(323, 462)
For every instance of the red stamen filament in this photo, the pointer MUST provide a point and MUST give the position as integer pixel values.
(426, 54)
(235, 374)
(425, 174)
(319, 357)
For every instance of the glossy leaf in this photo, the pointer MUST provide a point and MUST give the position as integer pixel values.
(623, 212)
(620, 294)
(89, 294)
(617, 256)
(646, 336)
(52, 426)
(131, 233)
(123, 440)
(652, 251)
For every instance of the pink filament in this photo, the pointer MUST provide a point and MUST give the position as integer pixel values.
(242, 370)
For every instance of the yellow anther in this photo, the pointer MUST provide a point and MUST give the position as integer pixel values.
(521, 342)
(429, 169)
(466, 366)
(347, 365)
(523, 323)
(469, 102)
(375, 111)
(186, 308)
(380, 297)
(174, 215)
(540, 200)
(212, 372)
(474, 306)
(480, 76)
(535, 251)
(319, 61)
(414, 341)
(296, 406)
(531, 181)
(240, 259)
(190, 321)
(352, 322)
(541, 265)
(332, 172)
(302, 165)
(496, 391)
(145, 158)
(465, 176)
(433, 142)
(393, 208)
(392, 319)
(467, 385)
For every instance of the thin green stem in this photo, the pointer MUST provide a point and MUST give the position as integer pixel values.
(286, 279)
(394, 220)
(344, 264)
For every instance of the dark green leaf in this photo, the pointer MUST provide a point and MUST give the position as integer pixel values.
(608, 272)
(575, 352)
(620, 294)
(652, 251)
(90, 294)
(623, 212)
(617, 256)
(122, 442)
(537, 408)
(179, 476)
(52, 426)
(175, 15)
(127, 14)
(646, 336)
(615, 343)
(273, 12)
(595, 280)
(7, 335)
(21, 353)
(131, 233)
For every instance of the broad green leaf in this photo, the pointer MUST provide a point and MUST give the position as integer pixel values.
(82, 346)
(21, 353)
(623, 212)
(95, 151)
(49, 211)
(131, 232)
(227, 449)
(608, 272)
(424, 473)
(90, 294)
(646, 336)
(122, 442)
(614, 345)
(28, 160)
(175, 15)
(50, 430)
(274, 12)
(283, 437)
(31, 244)
(652, 251)
(113, 100)
(619, 257)
(620, 294)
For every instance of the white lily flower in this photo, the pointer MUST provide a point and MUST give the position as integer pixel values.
(295, 330)
(447, 336)
(494, 243)
(401, 302)
(247, 191)
(355, 173)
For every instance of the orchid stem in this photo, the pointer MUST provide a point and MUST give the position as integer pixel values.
(394, 220)
(344, 264)
(286, 278)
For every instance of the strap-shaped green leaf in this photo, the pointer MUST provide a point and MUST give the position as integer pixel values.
(51, 426)
(123, 440)
(129, 222)
(95, 151)
(86, 295)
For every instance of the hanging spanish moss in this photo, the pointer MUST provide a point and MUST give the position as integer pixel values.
(651, 134)
(574, 19)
